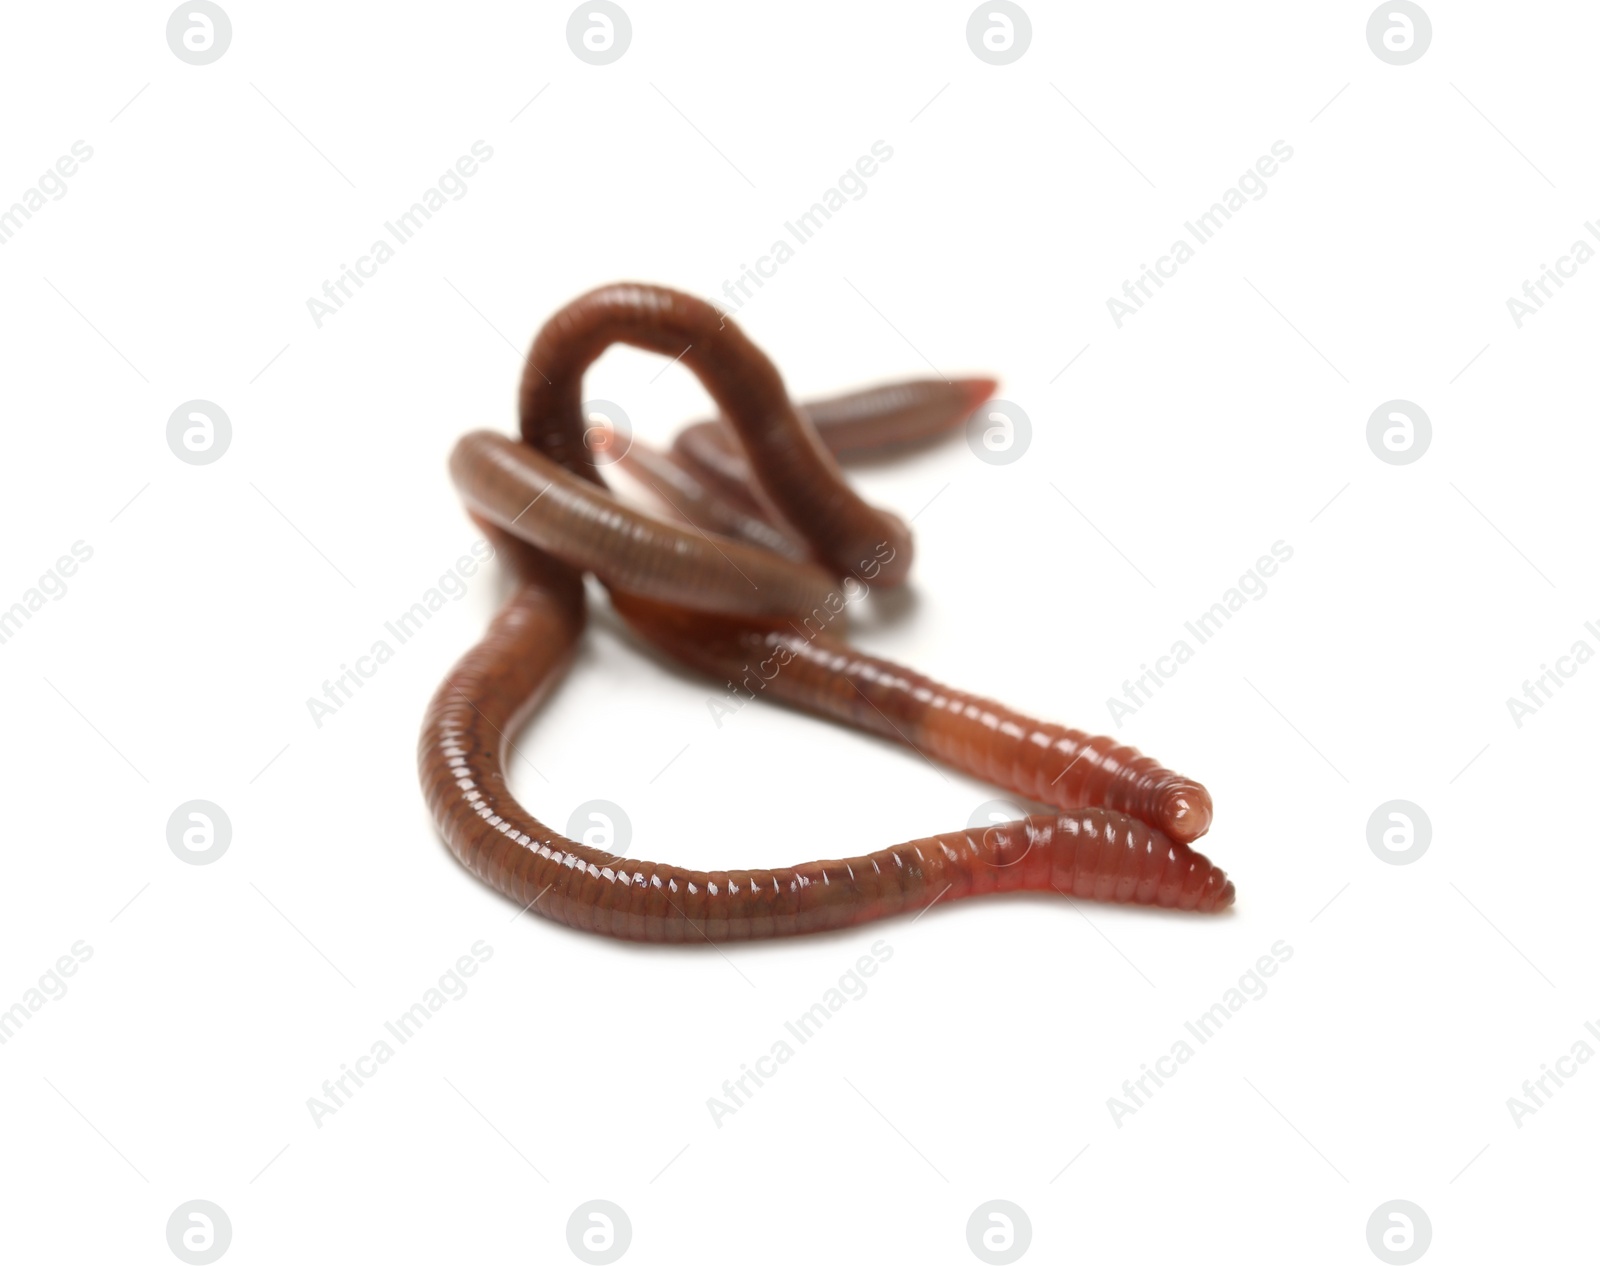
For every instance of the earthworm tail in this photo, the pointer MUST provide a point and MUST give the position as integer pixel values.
(792, 467)
(1089, 853)
(807, 667)
(895, 414)
(876, 420)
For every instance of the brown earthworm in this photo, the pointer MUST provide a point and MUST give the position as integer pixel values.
(681, 590)
(862, 422)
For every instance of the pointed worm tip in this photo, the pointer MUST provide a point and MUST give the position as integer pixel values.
(976, 390)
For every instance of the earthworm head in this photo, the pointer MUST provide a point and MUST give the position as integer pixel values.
(1183, 811)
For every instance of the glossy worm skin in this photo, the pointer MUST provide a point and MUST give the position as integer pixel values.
(1090, 853)
(723, 604)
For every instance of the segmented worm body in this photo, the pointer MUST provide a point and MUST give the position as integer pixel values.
(754, 591)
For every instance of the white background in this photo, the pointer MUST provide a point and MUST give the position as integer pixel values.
(1230, 413)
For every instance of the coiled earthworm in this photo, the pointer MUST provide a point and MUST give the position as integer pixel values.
(678, 590)
(791, 467)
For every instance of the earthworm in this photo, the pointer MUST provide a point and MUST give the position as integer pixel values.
(680, 590)
(894, 414)
(1090, 853)
(859, 423)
